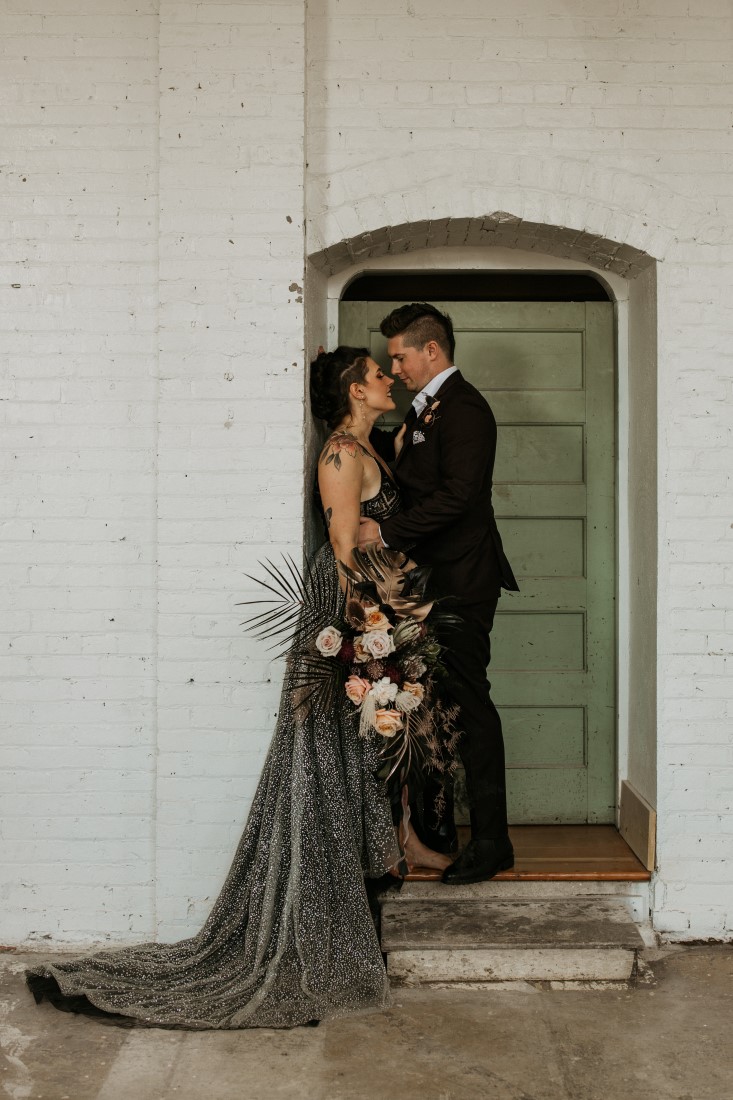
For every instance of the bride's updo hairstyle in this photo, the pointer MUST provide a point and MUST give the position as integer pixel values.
(332, 372)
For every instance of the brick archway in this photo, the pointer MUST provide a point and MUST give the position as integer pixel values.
(498, 229)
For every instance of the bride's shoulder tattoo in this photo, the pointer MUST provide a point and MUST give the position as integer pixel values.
(341, 443)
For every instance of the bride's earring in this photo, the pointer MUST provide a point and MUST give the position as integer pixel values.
(363, 410)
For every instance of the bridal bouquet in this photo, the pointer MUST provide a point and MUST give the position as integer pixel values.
(379, 654)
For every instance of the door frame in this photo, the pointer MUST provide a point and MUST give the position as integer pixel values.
(636, 529)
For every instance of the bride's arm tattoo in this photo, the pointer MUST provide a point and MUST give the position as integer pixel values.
(339, 443)
(327, 516)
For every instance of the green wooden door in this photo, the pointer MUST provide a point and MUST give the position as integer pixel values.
(547, 369)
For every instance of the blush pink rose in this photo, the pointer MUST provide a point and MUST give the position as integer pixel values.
(387, 722)
(356, 688)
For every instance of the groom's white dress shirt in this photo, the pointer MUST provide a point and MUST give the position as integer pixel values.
(420, 400)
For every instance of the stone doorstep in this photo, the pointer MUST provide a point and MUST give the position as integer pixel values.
(483, 940)
(511, 965)
(542, 923)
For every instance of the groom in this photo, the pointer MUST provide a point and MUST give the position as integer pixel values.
(444, 472)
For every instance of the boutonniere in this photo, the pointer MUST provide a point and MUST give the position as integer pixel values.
(428, 415)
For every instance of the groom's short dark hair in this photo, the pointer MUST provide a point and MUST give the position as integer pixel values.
(417, 324)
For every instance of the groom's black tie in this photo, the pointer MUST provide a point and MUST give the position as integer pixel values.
(411, 417)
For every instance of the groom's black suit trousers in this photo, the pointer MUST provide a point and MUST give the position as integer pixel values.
(481, 746)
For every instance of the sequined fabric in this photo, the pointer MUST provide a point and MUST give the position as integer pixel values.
(290, 938)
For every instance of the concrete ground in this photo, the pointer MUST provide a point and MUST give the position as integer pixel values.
(668, 1038)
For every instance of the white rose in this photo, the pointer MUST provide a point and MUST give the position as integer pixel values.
(406, 701)
(329, 641)
(378, 643)
(384, 691)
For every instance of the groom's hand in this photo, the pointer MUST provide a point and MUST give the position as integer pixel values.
(368, 532)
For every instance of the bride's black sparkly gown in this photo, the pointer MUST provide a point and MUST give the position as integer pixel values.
(290, 938)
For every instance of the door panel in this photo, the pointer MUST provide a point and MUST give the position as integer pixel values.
(523, 360)
(546, 546)
(540, 454)
(548, 737)
(547, 371)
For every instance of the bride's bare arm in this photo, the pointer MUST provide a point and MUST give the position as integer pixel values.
(340, 479)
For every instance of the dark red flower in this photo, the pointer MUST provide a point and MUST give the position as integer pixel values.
(393, 673)
(346, 653)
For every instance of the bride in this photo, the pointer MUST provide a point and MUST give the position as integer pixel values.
(290, 939)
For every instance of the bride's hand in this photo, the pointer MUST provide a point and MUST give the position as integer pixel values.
(399, 440)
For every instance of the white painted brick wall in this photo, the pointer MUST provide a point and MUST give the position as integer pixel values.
(230, 415)
(153, 397)
(153, 384)
(78, 102)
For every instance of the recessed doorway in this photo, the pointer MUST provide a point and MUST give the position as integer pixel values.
(545, 362)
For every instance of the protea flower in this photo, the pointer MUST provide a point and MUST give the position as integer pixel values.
(406, 631)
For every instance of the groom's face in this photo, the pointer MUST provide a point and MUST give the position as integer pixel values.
(413, 366)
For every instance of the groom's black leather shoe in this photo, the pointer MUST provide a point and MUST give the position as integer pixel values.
(480, 860)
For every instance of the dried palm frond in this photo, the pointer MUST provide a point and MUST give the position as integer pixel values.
(303, 605)
(316, 682)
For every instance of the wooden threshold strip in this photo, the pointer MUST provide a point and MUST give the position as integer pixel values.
(562, 853)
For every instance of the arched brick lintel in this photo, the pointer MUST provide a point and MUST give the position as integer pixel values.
(606, 217)
(499, 229)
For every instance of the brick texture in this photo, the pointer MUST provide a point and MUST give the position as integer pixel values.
(230, 415)
(153, 399)
(79, 218)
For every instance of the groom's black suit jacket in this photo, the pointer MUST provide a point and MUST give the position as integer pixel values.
(447, 518)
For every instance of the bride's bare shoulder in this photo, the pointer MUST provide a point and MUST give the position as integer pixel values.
(339, 444)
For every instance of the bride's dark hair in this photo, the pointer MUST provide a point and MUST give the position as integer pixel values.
(332, 372)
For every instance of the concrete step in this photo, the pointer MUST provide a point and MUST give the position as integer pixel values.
(635, 896)
(491, 939)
